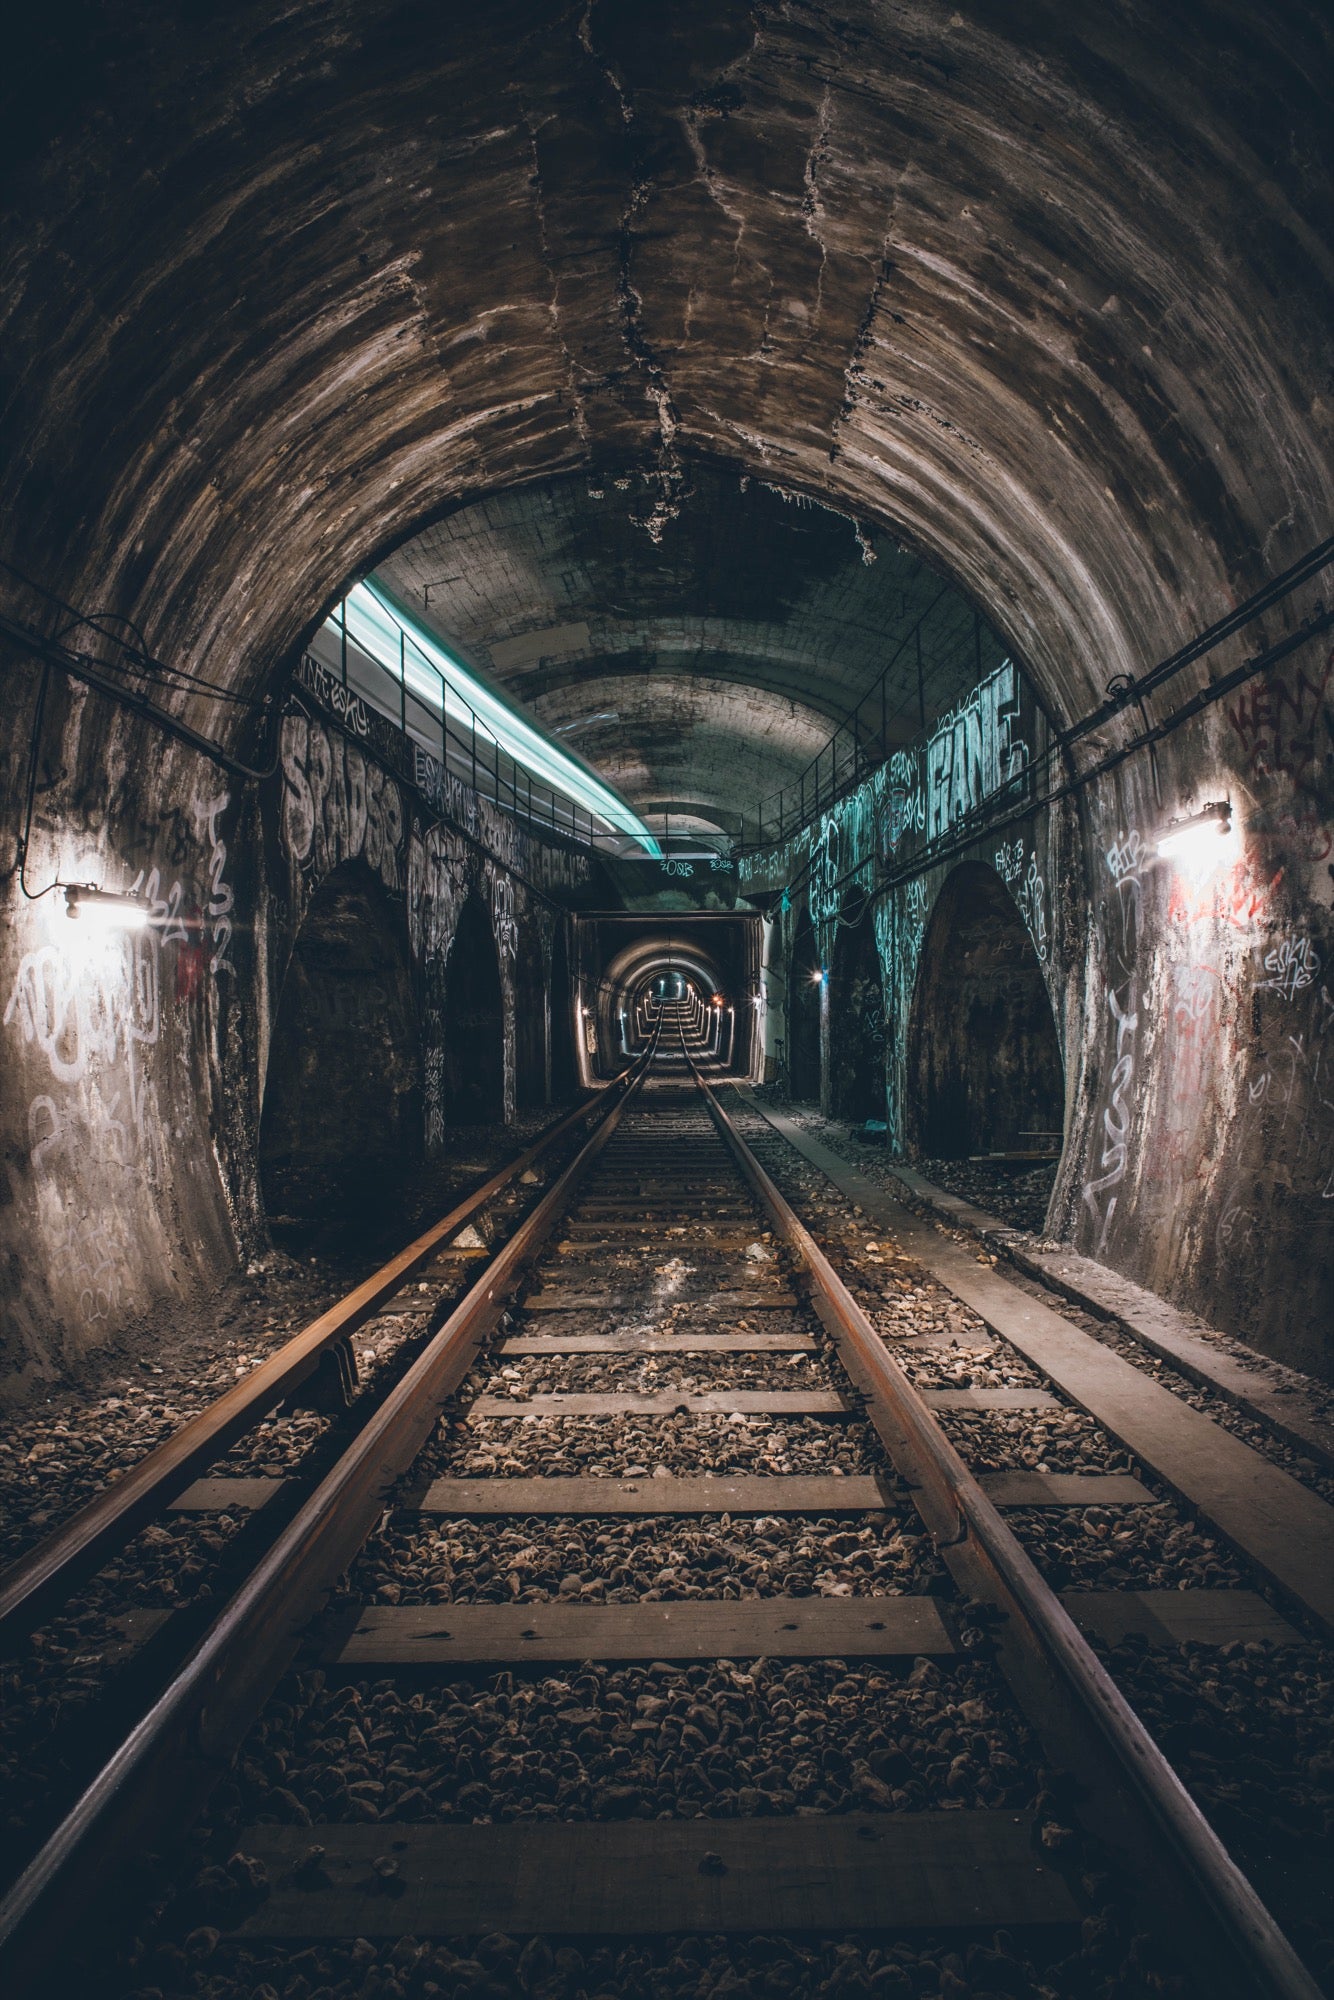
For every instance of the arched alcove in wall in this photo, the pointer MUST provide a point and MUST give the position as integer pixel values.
(984, 1061)
(342, 1107)
(804, 981)
(856, 1015)
(531, 1005)
(474, 1023)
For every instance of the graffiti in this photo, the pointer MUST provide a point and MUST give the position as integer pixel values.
(81, 1015)
(89, 1011)
(1028, 889)
(328, 690)
(905, 801)
(443, 791)
(900, 928)
(1115, 1118)
(90, 1259)
(503, 921)
(822, 891)
(557, 867)
(337, 804)
(974, 752)
(222, 899)
(1126, 859)
(438, 877)
(1277, 722)
(681, 868)
(1238, 896)
(433, 1087)
(914, 928)
(1293, 964)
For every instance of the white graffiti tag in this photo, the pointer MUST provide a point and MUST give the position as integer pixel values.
(1028, 889)
(1115, 1118)
(1292, 964)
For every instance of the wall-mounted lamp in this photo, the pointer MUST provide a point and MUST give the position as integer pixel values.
(1194, 838)
(105, 909)
(717, 999)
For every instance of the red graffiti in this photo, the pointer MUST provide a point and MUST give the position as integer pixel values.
(192, 956)
(1239, 897)
(1278, 724)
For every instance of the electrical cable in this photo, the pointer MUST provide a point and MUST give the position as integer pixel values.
(34, 739)
(150, 666)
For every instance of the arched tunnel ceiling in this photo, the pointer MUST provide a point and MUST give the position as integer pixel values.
(1043, 290)
(707, 660)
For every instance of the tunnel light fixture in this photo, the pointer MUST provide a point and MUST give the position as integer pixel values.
(379, 625)
(1196, 838)
(105, 909)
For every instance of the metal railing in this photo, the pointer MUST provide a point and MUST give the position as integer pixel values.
(462, 744)
(860, 743)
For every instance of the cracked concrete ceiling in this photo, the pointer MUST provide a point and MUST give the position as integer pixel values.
(701, 667)
(1041, 291)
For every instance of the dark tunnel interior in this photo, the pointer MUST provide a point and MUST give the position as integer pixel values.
(667, 1000)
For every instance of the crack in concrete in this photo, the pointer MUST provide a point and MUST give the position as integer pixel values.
(603, 63)
(539, 212)
(813, 209)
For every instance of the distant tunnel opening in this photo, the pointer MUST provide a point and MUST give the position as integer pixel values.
(341, 1121)
(474, 1023)
(984, 1060)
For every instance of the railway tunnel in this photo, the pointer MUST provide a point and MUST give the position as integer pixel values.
(668, 1158)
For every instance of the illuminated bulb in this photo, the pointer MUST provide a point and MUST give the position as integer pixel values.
(104, 909)
(1199, 837)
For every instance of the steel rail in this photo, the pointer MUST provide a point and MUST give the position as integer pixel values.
(161, 1775)
(1141, 1809)
(34, 1586)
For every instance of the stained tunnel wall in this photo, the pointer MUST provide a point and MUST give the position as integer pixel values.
(135, 1062)
(341, 1120)
(1057, 314)
(984, 1062)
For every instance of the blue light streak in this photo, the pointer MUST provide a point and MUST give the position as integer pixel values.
(376, 623)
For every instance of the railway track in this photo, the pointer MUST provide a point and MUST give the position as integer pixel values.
(652, 1600)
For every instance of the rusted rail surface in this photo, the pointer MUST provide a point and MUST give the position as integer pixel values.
(32, 1588)
(1133, 1801)
(1137, 1804)
(164, 1771)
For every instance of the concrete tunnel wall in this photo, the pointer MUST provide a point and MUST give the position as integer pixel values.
(1047, 299)
(1194, 1010)
(135, 1061)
